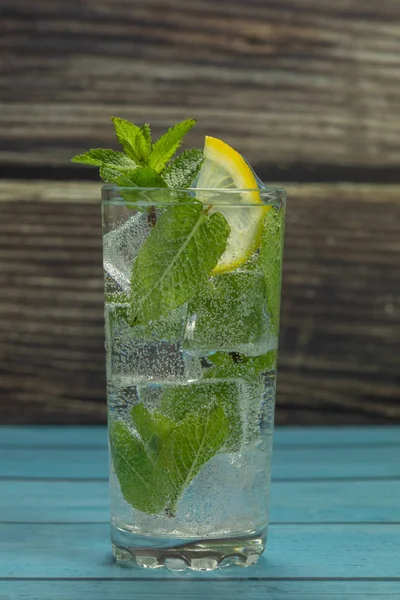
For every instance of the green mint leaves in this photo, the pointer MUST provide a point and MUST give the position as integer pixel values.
(175, 260)
(193, 422)
(103, 157)
(155, 469)
(227, 321)
(186, 243)
(146, 132)
(166, 146)
(144, 163)
(135, 141)
(181, 173)
(193, 442)
(152, 429)
(134, 467)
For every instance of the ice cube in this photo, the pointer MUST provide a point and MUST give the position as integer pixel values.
(149, 352)
(122, 396)
(230, 314)
(121, 246)
(169, 328)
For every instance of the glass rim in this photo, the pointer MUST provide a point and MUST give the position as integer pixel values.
(111, 193)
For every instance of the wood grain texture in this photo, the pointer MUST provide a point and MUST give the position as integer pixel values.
(340, 337)
(33, 501)
(328, 463)
(189, 588)
(95, 437)
(295, 82)
(40, 559)
(304, 551)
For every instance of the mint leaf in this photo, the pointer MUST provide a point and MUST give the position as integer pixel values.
(178, 401)
(189, 447)
(110, 173)
(166, 146)
(139, 152)
(154, 471)
(183, 170)
(270, 260)
(175, 260)
(103, 157)
(153, 429)
(133, 140)
(146, 131)
(144, 177)
(134, 467)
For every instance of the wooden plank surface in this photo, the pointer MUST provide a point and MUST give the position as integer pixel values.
(291, 501)
(78, 551)
(45, 436)
(295, 82)
(189, 588)
(328, 539)
(340, 335)
(326, 463)
(307, 90)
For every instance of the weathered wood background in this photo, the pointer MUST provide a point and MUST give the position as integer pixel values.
(308, 90)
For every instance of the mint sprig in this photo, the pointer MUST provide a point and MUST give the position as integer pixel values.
(124, 168)
(186, 243)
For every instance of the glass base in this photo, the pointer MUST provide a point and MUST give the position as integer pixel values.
(179, 554)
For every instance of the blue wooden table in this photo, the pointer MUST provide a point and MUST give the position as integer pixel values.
(335, 530)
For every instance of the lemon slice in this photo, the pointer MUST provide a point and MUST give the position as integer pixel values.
(226, 169)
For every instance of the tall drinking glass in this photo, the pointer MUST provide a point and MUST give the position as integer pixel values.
(191, 371)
